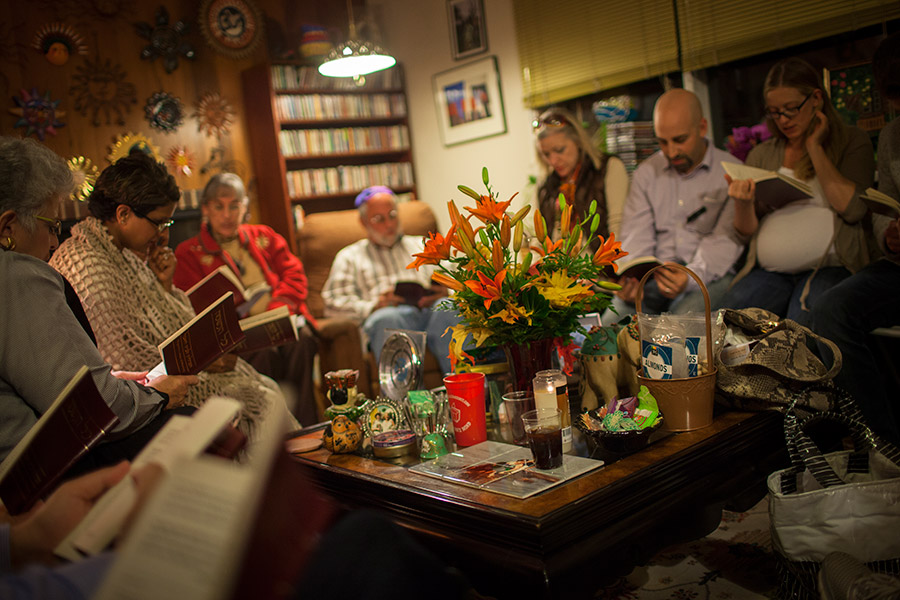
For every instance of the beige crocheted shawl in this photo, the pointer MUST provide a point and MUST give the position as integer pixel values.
(132, 313)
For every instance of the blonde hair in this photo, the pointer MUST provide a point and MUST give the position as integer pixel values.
(798, 74)
(559, 120)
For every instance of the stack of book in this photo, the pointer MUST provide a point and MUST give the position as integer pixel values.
(328, 106)
(346, 178)
(632, 141)
(319, 142)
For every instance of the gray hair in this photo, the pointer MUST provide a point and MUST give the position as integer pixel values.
(224, 182)
(30, 176)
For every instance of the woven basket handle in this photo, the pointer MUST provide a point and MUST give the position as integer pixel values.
(640, 293)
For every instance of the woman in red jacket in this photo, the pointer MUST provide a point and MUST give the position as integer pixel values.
(256, 254)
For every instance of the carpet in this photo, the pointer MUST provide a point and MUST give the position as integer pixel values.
(734, 562)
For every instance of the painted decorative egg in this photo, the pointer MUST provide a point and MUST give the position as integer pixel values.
(342, 436)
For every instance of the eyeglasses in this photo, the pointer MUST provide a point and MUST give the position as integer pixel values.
(160, 225)
(55, 225)
(788, 113)
(548, 121)
(379, 219)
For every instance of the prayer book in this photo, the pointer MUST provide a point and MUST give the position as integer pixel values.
(207, 430)
(773, 189)
(411, 291)
(202, 340)
(635, 267)
(222, 280)
(881, 203)
(76, 421)
(272, 328)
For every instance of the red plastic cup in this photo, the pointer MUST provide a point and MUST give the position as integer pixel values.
(465, 393)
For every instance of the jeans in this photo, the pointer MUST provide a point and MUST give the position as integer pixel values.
(780, 293)
(432, 321)
(845, 314)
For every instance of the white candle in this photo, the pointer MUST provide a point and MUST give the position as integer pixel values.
(544, 392)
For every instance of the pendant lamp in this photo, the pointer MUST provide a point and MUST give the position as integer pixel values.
(355, 58)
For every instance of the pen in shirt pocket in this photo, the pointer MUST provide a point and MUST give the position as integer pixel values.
(695, 215)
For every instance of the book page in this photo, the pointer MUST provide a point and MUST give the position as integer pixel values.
(223, 271)
(739, 171)
(881, 203)
(281, 312)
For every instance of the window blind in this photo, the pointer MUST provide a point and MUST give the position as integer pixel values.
(719, 31)
(570, 48)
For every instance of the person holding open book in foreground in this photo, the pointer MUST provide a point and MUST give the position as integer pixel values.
(255, 254)
(847, 312)
(119, 264)
(800, 249)
(43, 342)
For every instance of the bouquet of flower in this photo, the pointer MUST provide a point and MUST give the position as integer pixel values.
(509, 294)
(743, 139)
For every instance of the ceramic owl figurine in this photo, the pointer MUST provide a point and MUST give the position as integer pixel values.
(342, 436)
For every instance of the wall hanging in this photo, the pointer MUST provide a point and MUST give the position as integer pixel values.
(85, 173)
(57, 42)
(214, 115)
(133, 142)
(100, 87)
(468, 101)
(37, 114)
(165, 40)
(468, 35)
(181, 160)
(164, 112)
(233, 28)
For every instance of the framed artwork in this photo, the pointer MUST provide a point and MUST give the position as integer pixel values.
(468, 35)
(855, 96)
(468, 102)
(380, 415)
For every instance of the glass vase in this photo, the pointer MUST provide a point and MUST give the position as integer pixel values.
(527, 359)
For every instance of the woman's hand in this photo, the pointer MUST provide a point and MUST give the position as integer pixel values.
(161, 261)
(175, 386)
(742, 190)
(820, 128)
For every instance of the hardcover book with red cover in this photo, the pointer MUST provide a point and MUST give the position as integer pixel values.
(203, 339)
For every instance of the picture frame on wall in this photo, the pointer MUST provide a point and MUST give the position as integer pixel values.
(468, 34)
(855, 96)
(469, 103)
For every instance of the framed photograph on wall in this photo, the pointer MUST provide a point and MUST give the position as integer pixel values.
(855, 96)
(468, 35)
(468, 102)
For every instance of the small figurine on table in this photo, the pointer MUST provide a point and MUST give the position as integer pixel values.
(340, 389)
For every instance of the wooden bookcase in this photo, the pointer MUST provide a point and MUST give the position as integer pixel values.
(316, 142)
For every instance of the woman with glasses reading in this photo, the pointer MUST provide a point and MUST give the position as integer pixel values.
(801, 249)
(119, 263)
(575, 168)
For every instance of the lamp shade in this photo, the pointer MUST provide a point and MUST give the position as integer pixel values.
(353, 58)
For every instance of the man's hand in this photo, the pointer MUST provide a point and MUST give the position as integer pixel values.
(34, 539)
(175, 386)
(223, 364)
(437, 292)
(161, 261)
(671, 281)
(892, 237)
(743, 190)
(629, 289)
(388, 298)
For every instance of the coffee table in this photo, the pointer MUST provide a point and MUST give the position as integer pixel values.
(570, 540)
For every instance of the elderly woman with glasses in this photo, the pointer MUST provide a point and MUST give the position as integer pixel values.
(802, 248)
(119, 264)
(575, 168)
(255, 254)
(44, 337)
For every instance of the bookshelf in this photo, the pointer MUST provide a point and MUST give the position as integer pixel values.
(316, 141)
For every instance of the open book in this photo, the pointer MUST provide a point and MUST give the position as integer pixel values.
(76, 421)
(216, 530)
(201, 341)
(181, 437)
(881, 203)
(222, 280)
(773, 189)
(635, 267)
(272, 328)
(411, 291)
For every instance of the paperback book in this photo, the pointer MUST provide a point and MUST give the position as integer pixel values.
(881, 203)
(773, 189)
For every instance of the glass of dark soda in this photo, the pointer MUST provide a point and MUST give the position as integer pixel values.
(544, 430)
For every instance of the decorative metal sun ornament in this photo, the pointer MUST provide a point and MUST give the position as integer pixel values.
(181, 160)
(132, 142)
(100, 86)
(57, 42)
(85, 173)
(214, 115)
(165, 40)
(232, 27)
(164, 112)
(37, 114)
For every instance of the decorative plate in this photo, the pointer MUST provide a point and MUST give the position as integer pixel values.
(85, 173)
(165, 40)
(380, 415)
(618, 442)
(181, 160)
(57, 42)
(164, 112)
(214, 115)
(100, 86)
(125, 144)
(37, 114)
(399, 367)
(232, 27)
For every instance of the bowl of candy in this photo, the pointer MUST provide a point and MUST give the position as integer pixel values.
(624, 425)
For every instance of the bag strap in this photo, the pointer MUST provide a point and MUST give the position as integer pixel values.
(837, 359)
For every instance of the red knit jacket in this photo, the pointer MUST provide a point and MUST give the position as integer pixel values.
(201, 255)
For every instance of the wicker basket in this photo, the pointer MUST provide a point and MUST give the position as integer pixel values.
(686, 402)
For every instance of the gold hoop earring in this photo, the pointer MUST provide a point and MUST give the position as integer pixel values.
(10, 243)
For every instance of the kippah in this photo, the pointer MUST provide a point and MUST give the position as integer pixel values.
(367, 193)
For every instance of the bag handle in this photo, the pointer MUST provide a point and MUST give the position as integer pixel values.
(836, 356)
(710, 357)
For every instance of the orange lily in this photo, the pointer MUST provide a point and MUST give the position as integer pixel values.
(454, 212)
(437, 248)
(548, 247)
(608, 253)
(447, 281)
(488, 288)
(540, 226)
(489, 210)
(497, 255)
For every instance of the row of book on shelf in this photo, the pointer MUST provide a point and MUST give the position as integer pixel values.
(291, 77)
(324, 106)
(332, 180)
(303, 142)
(631, 141)
(74, 210)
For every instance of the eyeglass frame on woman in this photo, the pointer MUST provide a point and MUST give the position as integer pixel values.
(55, 224)
(788, 113)
(160, 225)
